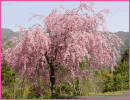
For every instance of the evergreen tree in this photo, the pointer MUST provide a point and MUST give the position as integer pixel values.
(121, 73)
(125, 55)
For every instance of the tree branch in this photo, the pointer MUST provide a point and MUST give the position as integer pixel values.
(47, 58)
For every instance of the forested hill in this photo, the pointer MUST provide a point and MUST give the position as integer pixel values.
(7, 32)
(124, 36)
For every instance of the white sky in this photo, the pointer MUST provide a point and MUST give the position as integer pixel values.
(18, 13)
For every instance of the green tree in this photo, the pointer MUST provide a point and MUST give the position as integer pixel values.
(107, 78)
(125, 55)
(7, 75)
(121, 73)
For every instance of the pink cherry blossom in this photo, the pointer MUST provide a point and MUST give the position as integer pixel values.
(64, 41)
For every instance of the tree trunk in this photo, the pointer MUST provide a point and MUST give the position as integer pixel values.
(52, 79)
(60, 90)
(74, 87)
(94, 89)
(14, 89)
(80, 87)
(22, 90)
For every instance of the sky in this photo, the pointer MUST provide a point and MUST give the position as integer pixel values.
(18, 13)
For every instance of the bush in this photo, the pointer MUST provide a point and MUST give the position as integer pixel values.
(6, 94)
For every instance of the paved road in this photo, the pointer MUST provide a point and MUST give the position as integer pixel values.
(125, 96)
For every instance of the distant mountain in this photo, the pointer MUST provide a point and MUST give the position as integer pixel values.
(7, 32)
(124, 36)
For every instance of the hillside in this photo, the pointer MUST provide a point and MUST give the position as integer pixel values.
(2, 39)
(124, 36)
(7, 32)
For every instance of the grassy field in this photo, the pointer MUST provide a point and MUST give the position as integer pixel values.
(110, 93)
(107, 95)
(116, 94)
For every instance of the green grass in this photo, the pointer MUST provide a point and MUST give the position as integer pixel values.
(106, 93)
(110, 93)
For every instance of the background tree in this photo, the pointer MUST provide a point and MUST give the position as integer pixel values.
(7, 75)
(121, 73)
(107, 78)
(65, 40)
(125, 55)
